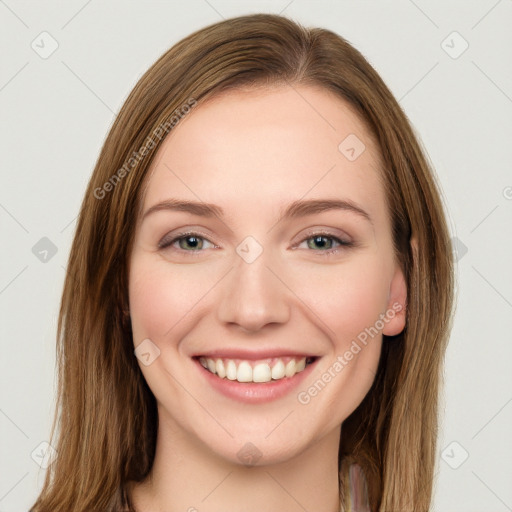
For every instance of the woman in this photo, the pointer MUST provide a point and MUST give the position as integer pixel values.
(259, 292)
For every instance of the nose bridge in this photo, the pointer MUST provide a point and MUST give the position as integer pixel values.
(253, 296)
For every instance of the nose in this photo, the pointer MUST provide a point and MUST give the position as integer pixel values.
(253, 296)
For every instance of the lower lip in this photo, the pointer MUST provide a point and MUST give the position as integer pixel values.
(255, 392)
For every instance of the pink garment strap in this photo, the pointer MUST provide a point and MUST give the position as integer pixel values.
(358, 490)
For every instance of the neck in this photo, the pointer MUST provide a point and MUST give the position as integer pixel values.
(188, 477)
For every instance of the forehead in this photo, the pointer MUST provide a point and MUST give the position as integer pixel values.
(267, 147)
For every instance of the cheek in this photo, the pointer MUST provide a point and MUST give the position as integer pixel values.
(346, 298)
(161, 296)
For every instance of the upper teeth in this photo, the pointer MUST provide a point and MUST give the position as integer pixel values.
(243, 371)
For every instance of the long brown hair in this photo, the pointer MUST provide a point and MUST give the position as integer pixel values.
(105, 424)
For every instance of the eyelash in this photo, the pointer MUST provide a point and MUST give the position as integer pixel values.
(343, 244)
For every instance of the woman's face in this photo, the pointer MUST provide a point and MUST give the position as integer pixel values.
(277, 251)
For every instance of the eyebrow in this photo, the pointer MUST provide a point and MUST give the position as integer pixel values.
(299, 208)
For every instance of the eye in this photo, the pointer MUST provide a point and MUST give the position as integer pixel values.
(325, 242)
(194, 242)
(187, 242)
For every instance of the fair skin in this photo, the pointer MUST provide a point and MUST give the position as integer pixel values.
(252, 153)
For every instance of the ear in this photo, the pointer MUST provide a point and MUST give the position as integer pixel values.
(397, 301)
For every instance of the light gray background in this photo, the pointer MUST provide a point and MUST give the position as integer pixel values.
(55, 114)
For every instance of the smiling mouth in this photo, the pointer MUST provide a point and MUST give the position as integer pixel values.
(250, 371)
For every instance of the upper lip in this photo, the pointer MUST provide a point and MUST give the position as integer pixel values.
(252, 354)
